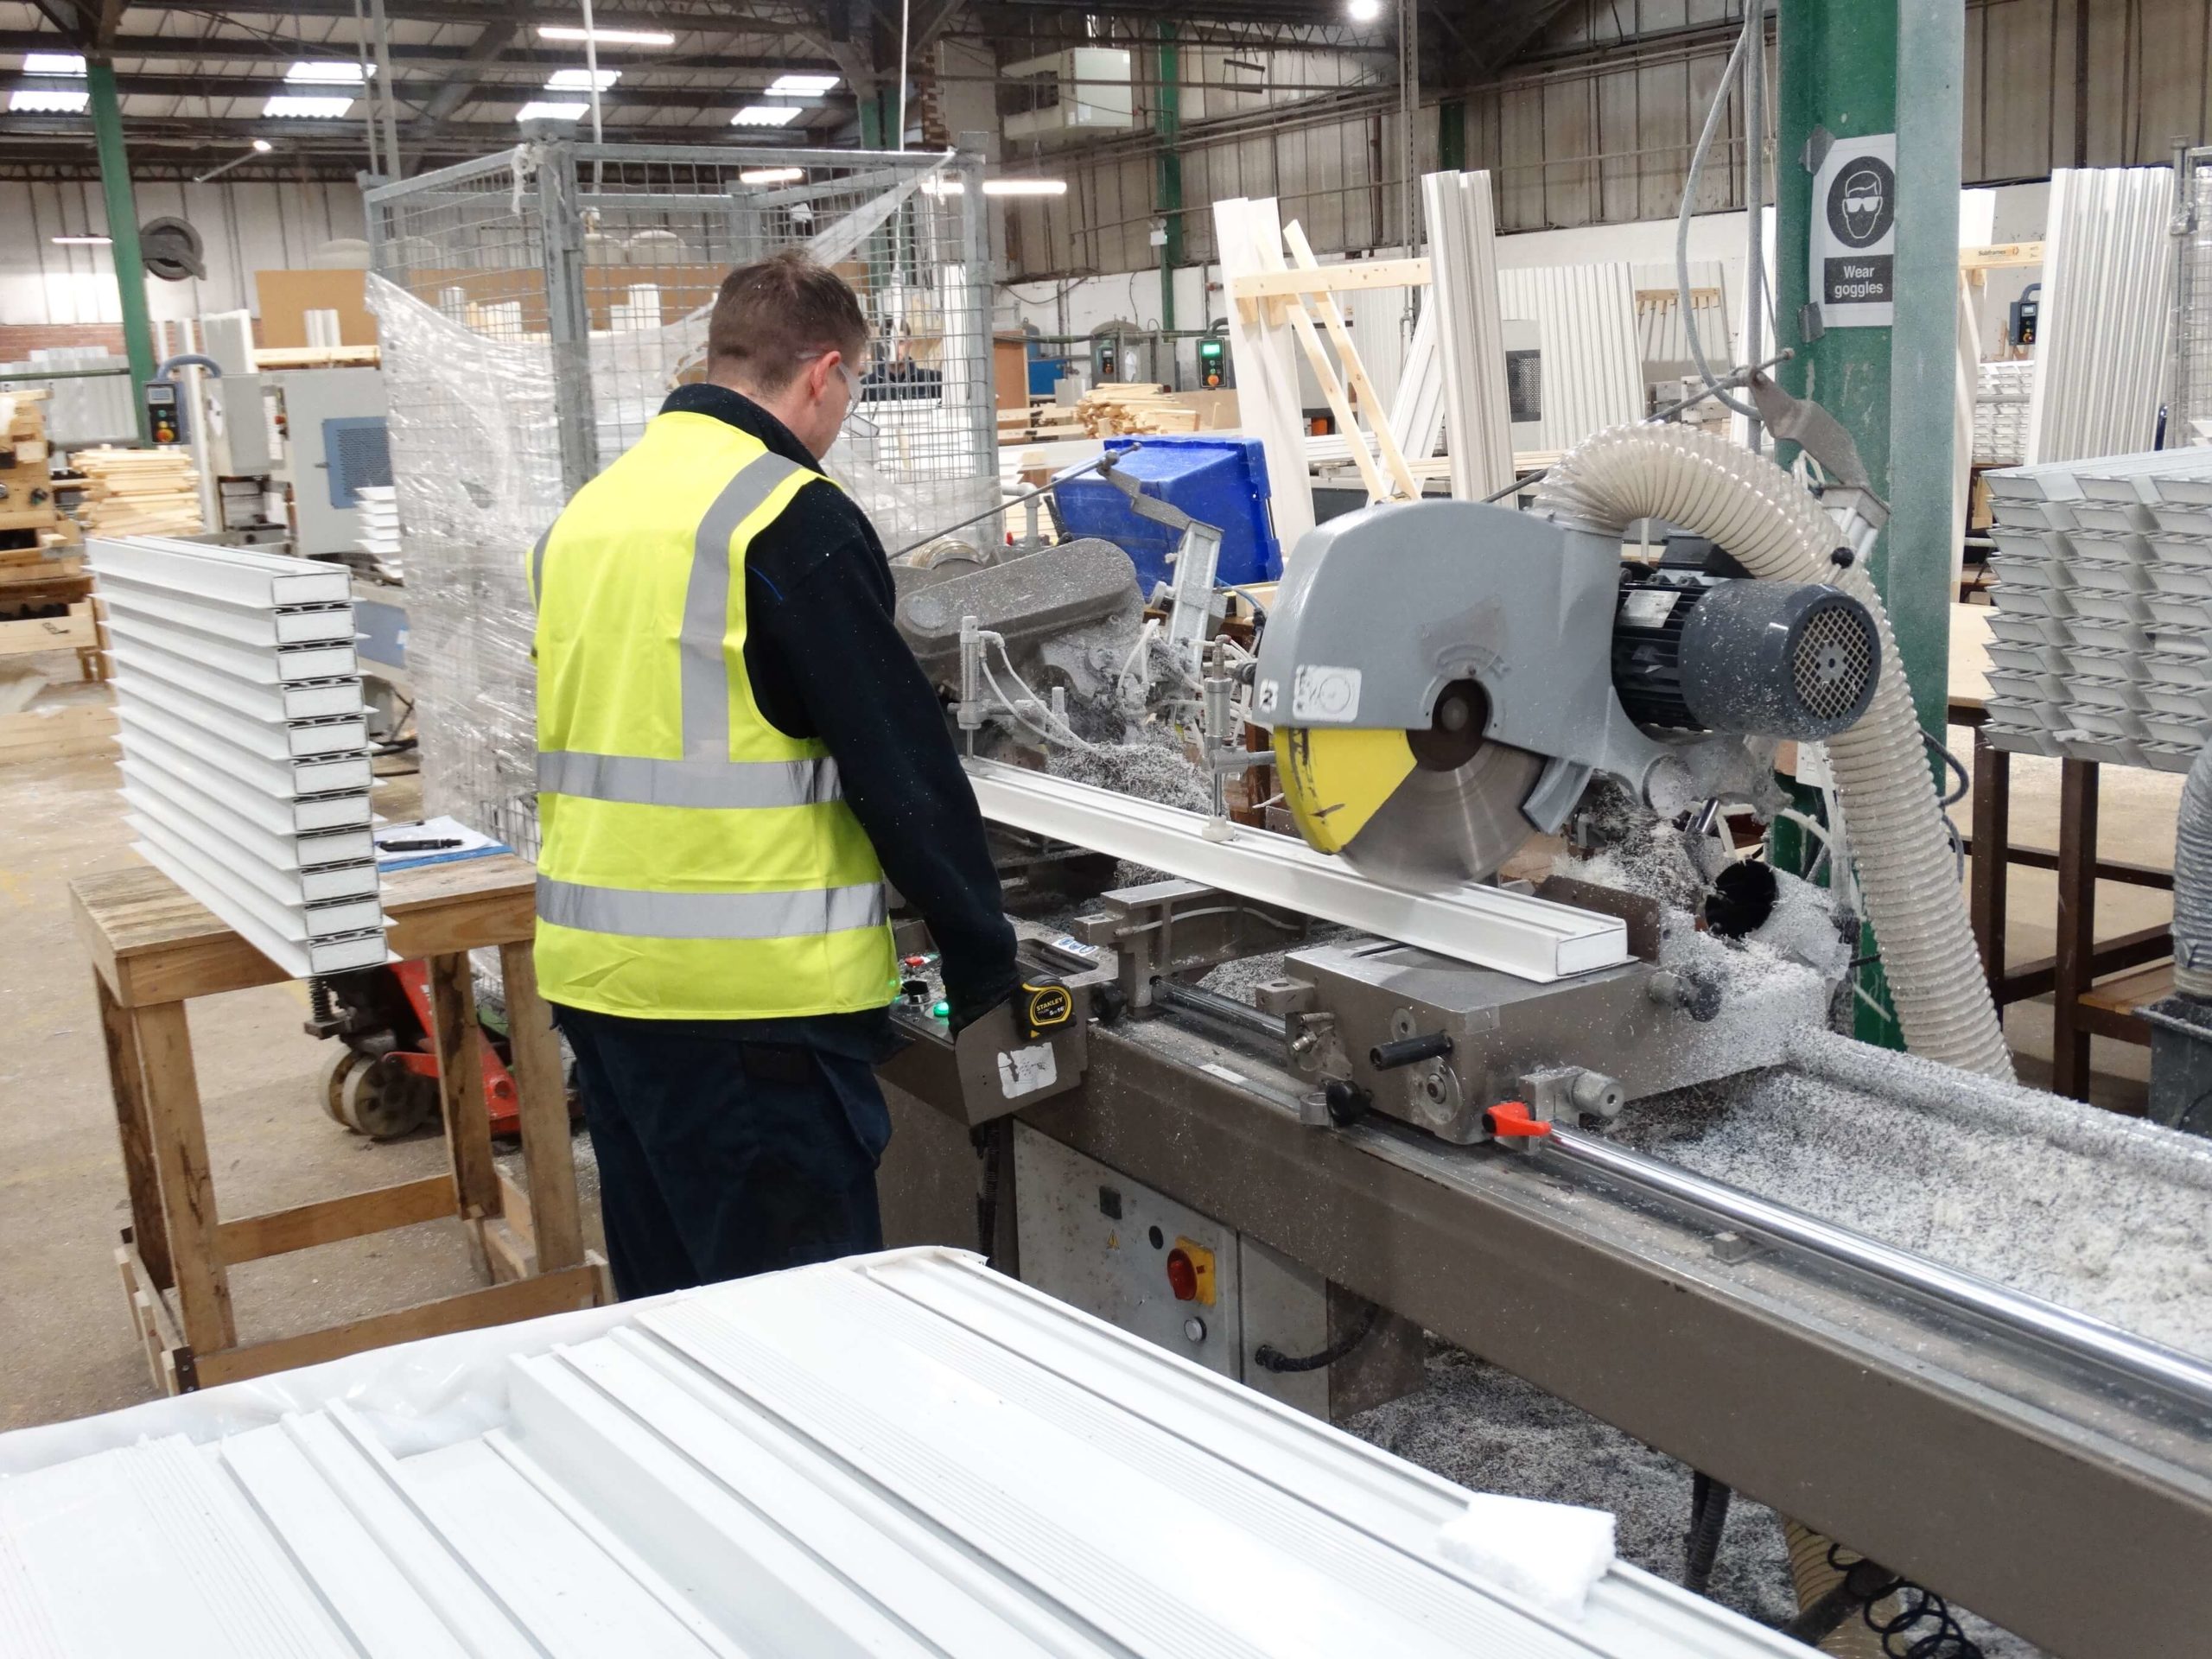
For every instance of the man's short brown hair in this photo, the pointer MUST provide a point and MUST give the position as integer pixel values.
(772, 314)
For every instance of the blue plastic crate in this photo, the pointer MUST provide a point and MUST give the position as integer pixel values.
(1217, 480)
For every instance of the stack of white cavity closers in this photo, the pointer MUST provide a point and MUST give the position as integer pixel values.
(245, 764)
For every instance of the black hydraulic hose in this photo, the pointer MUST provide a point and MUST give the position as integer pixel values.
(990, 1140)
(1709, 1501)
(1267, 1357)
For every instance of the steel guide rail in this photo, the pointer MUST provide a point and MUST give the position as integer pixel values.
(2074, 1337)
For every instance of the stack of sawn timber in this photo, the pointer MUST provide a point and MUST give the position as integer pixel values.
(139, 492)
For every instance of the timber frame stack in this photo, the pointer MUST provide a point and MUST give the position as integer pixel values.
(45, 597)
(139, 492)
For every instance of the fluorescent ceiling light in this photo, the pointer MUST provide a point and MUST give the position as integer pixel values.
(328, 71)
(766, 115)
(578, 81)
(53, 63)
(1363, 11)
(771, 175)
(262, 146)
(308, 108)
(36, 100)
(605, 37)
(79, 241)
(1014, 186)
(801, 86)
(545, 112)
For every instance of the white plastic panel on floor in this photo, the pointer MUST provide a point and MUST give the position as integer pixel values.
(897, 1454)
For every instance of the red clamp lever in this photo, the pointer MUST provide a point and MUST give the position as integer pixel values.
(1511, 1120)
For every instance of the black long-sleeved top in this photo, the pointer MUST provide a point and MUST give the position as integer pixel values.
(825, 660)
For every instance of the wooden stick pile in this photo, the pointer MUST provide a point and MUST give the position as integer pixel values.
(139, 492)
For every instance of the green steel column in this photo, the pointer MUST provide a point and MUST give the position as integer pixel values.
(1850, 68)
(1452, 135)
(1839, 63)
(122, 228)
(1915, 571)
(1169, 124)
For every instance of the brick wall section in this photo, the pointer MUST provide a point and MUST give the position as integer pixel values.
(19, 339)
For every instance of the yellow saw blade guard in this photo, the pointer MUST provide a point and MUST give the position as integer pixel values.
(1336, 777)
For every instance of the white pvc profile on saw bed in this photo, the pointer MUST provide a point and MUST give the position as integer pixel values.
(893, 1456)
(1532, 938)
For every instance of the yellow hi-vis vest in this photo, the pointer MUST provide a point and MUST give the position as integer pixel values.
(694, 862)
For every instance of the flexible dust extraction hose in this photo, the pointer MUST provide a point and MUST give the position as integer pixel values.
(1778, 532)
(2193, 883)
(1812, 1577)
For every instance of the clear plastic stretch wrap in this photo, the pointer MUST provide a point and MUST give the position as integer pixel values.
(478, 468)
(537, 305)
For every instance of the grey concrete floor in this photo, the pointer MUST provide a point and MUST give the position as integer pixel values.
(68, 1349)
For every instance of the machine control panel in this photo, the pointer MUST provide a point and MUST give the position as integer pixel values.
(1028, 1048)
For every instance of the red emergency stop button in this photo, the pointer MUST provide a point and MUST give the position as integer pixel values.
(1182, 1277)
(1189, 1272)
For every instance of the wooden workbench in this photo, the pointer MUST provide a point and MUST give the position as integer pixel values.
(153, 948)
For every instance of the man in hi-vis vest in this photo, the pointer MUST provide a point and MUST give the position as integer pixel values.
(735, 750)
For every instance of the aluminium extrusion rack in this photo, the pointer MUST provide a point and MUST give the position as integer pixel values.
(245, 762)
(902, 1455)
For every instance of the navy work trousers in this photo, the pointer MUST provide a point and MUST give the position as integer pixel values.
(720, 1156)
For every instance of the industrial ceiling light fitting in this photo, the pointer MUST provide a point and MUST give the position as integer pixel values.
(328, 71)
(580, 81)
(258, 147)
(79, 241)
(801, 86)
(43, 100)
(306, 107)
(53, 63)
(605, 37)
(542, 111)
(1014, 186)
(771, 175)
(766, 115)
(1363, 11)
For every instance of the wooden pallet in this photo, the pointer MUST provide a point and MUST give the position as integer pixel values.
(75, 631)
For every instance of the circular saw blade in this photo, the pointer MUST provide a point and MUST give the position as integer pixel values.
(1443, 827)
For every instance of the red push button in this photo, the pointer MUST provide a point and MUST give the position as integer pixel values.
(1182, 1277)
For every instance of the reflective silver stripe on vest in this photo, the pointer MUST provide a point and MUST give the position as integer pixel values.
(537, 570)
(705, 671)
(638, 781)
(806, 914)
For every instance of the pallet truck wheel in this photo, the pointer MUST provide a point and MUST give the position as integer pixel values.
(341, 1065)
(384, 1100)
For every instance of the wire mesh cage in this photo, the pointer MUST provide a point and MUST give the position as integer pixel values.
(2189, 419)
(536, 307)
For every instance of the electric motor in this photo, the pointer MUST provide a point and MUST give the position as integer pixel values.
(1783, 659)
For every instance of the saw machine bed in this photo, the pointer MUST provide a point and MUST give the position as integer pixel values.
(1792, 1376)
